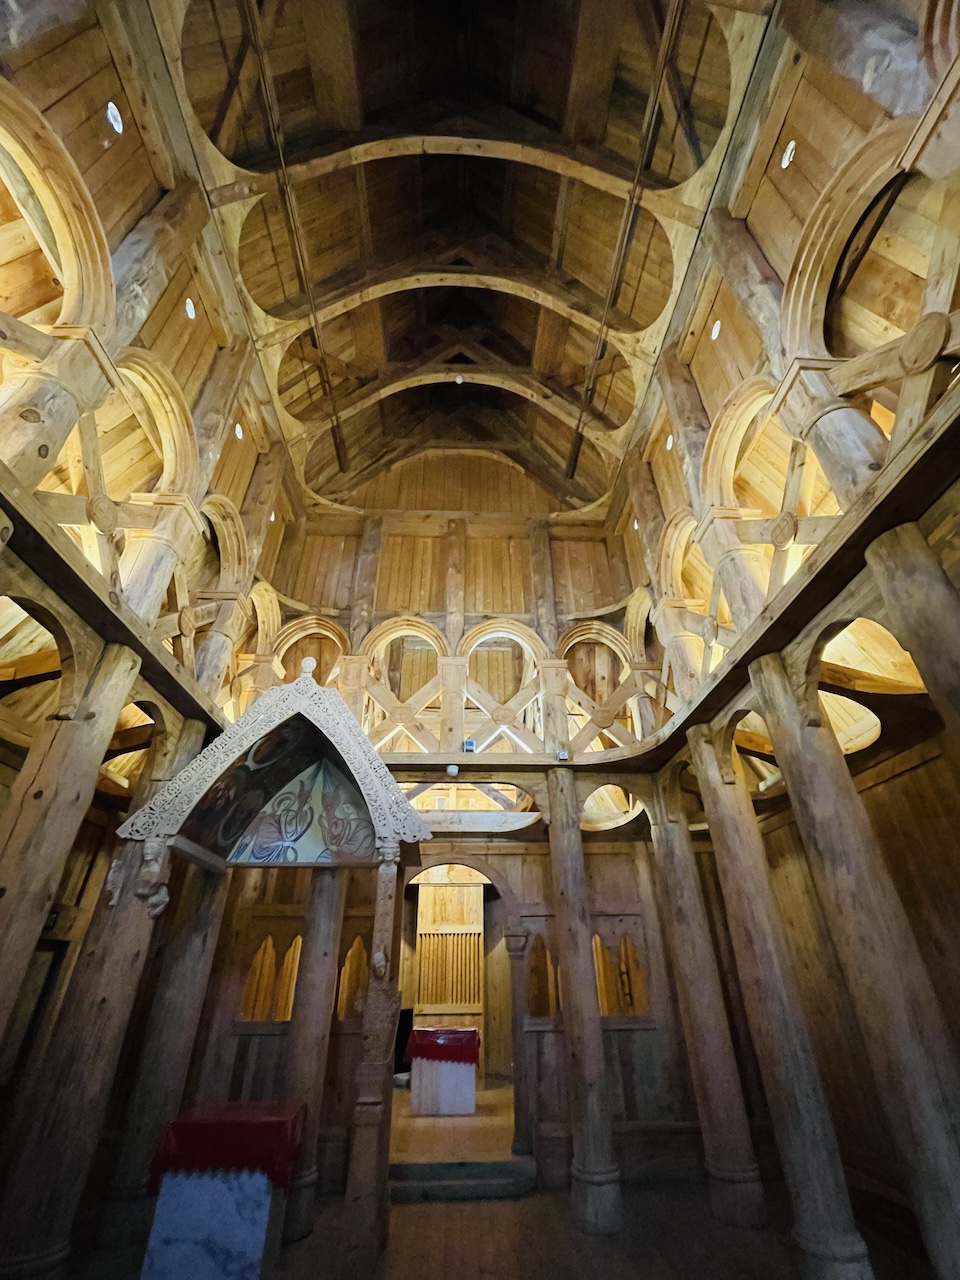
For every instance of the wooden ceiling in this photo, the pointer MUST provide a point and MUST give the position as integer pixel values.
(428, 366)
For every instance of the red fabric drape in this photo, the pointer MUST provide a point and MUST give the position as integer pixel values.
(264, 1136)
(445, 1044)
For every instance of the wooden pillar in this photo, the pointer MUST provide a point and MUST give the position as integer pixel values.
(516, 941)
(742, 569)
(823, 1219)
(736, 1195)
(553, 703)
(595, 1192)
(167, 1046)
(225, 989)
(365, 581)
(56, 1126)
(903, 1028)
(366, 1206)
(454, 593)
(647, 509)
(923, 609)
(453, 683)
(309, 1037)
(689, 418)
(848, 444)
(543, 590)
(47, 803)
(684, 649)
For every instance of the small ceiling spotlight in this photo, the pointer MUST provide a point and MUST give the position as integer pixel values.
(459, 379)
(669, 442)
(789, 151)
(114, 118)
(273, 516)
(190, 308)
(715, 331)
(238, 431)
(636, 526)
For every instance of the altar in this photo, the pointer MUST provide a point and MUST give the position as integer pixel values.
(443, 1070)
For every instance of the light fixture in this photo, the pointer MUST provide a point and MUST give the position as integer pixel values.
(459, 379)
(273, 516)
(636, 526)
(789, 151)
(669, 442)
(715, 331)
(190, 308)
(114, 118)
(238, 431)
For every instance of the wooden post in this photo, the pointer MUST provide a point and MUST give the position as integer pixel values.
(456, 563)
(683, 649)
(823, 1219)
(736, 1195)
(689, 418)
(544, 593)
(167, 1046)
(366, 1207)
(903, 1028)
(647, 508)
(309, 1038)
(743, 570)
(516, 941)
(353, 671)
(47, 803)
(595, 1191)
(57, 1124)
(365, 581)
(923, 609)
(453, 683)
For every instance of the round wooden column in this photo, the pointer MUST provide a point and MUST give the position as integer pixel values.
(516, 941)
(597, 1203)
(903, 1028)
(923, 607)
(309, 1036)
(823, 1220)
(736, 1194)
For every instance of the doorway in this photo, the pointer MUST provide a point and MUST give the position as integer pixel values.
(455, 972)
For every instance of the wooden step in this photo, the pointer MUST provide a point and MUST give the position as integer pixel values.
(462, 1180)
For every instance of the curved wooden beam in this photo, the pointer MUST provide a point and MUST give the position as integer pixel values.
(517, 379)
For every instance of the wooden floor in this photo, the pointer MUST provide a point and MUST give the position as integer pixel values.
(670, 1236)
(427, 1139)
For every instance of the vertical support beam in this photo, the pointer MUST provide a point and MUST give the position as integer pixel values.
(52, 1140)
(516, 940)
(592, 70)
(923, 609)
(742, 570)
(366, 1207)
(647, 509)
(365, 581)
(736, 1195)
(309, 1036)
(330, 30)
(691, 424)
(453, 683)
(823, 1219)
(353, 671)
(904, 1032)
(455, 545)
(47, 803)
(543, 591)
(753, 281)
(595, 1179)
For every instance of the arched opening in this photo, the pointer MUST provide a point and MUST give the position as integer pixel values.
(455, 973)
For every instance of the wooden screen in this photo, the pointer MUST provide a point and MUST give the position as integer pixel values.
(450, 950)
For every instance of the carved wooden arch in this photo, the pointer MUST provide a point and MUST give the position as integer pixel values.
(827, 230)
(168, 407)
(311, 624)
(392, 816)
(675, 542)
(266, 607)
(524, 636)
(592, 630)
(718, 469)
(231, 539)
(405, 625)
(635, 622)
(89, 293)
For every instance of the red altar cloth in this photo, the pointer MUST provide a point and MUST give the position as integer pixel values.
(445, 1044)
(264, 1136)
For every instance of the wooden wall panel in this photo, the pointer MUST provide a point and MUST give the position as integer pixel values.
(412, 575)
(497, 576)
(828, 118)
(454, 482)
(187, 347)
(71, 82)
(720, 364)
(235, 464)
(581, 576)
(322, 574)
(29, 287)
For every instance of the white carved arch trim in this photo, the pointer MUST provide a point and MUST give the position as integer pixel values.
(392, 817)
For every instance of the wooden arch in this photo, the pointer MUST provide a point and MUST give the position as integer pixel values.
(311, 624)
(231, 539)
(84, 267)
(674, 545)
(718, 469)
(406, 625)
(392, 816)
(59, 622)
(827, 230)
(168, 407)
(522, 635)
(591, 630)
(266, 607)
(635, 622)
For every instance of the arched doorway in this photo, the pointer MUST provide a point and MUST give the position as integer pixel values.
(455, 971)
